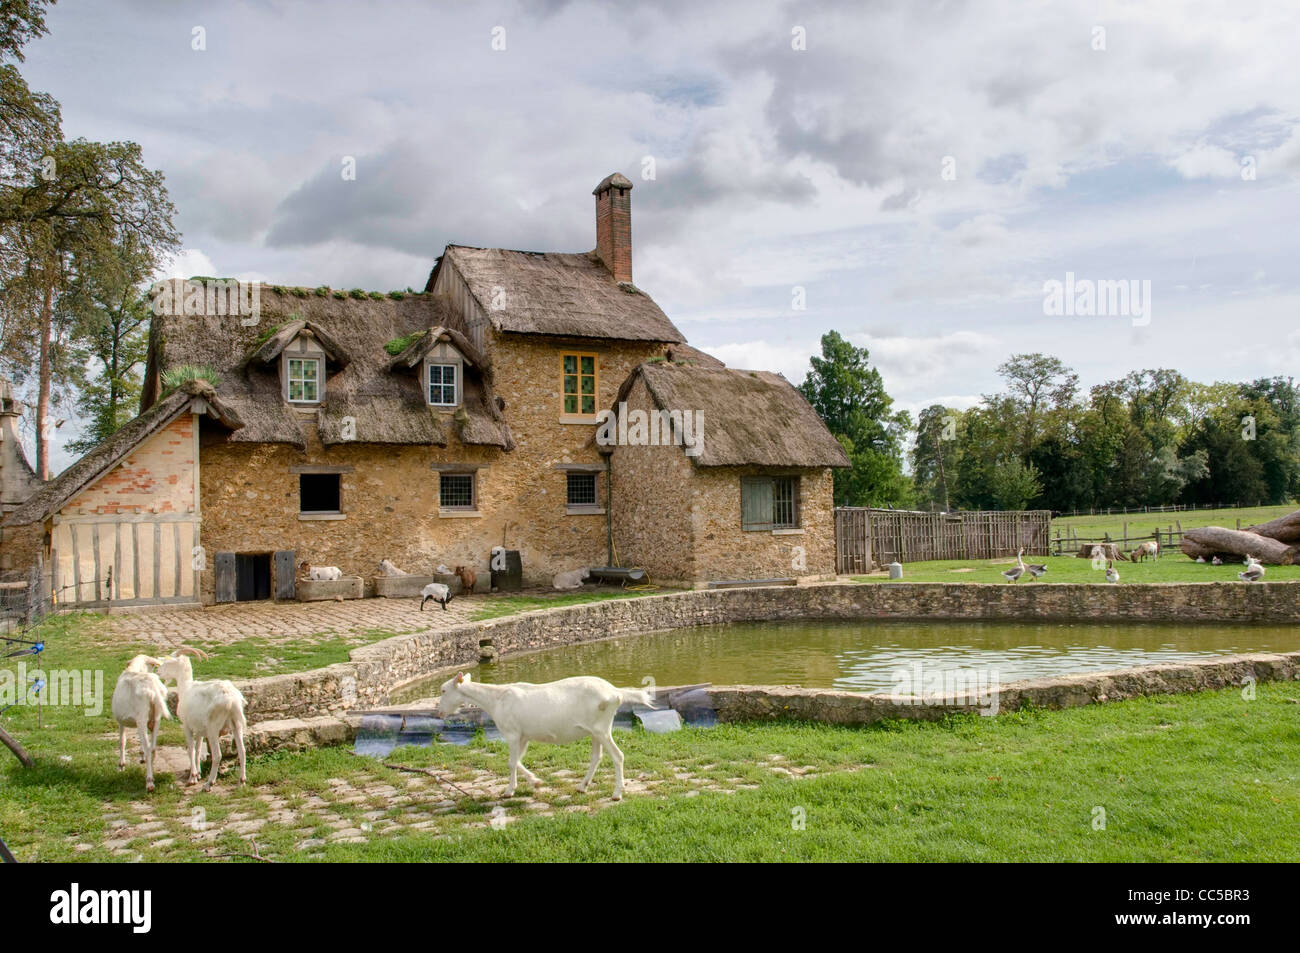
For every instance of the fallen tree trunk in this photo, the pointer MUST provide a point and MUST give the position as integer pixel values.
(1235, 545)
(1286, 529)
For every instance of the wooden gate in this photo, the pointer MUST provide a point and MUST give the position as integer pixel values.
(125, 560)
(867, 537)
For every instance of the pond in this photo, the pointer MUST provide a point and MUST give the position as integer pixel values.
(867, 656)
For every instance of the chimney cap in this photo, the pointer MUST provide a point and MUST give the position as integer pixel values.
(615, 180)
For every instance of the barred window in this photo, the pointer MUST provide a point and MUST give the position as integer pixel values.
(768, 503)
(456, 491)
(582, 489)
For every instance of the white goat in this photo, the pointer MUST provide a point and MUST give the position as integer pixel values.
(140, 701)
(206, 710)
(386, 568)
(572, 579)
(322, 573)
(554, 713)
(438, 593)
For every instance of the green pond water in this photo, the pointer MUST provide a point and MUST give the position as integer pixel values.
(867, 656)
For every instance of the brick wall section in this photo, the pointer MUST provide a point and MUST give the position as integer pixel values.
(250, 500)
(376, 670)
(156, 477)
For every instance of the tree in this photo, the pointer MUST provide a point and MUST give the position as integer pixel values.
(110, 314)
(849, 395)
(70, 216)
(1036, 382)
(932, 454)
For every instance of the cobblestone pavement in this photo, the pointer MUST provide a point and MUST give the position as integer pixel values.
(368, 805)
(223, 624)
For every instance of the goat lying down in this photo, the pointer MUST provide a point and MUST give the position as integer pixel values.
(140, 701)
(573, 579)
(320, 573)
(553, 713)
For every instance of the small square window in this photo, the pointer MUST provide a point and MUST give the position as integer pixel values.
(442, 385)
(582, 489)
(318, 493)
(456, 491)
(304, 380)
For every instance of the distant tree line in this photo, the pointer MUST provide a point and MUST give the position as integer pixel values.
(1150, 438)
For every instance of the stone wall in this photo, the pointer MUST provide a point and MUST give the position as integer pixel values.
(653, 501)
(377, 670)
(389, 497)
(682, 523)
(724, 551)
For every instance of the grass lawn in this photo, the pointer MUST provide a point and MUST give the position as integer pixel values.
(1142, 524)
(1211, 776)
(510, 605)
(1169, 568)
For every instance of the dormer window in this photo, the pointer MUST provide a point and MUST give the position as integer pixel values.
(443, 384)
(303, 377)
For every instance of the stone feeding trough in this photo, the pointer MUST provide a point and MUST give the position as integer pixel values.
(410, 587)
(382, 730)
(322, 590)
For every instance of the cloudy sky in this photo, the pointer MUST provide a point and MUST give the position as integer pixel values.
(919, 170)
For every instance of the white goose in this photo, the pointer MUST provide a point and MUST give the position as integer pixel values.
(1254, 571)
(1112, 574)
(1011, 575)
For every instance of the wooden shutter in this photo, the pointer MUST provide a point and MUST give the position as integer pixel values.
(224, 566)
(755, 503)
(284, 574)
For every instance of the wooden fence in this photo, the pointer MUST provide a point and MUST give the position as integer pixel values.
(1069, 542)
(867, 537)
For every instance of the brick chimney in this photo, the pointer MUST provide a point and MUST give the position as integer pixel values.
(614, 226)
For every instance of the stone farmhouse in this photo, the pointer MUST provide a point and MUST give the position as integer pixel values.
(345, 428)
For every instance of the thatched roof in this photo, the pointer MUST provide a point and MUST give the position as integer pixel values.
(685, 354)
(570, 295)
(415, 352)
(194, 395)
(366, 399)
(274, 346)
(750, 418)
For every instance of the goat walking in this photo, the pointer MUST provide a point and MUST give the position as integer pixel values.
(140, 701)
(206, 710)
(554, 713)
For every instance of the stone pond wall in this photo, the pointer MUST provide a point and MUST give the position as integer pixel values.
(376, 671)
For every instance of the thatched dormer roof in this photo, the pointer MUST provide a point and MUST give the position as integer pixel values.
(365, 400)
(569, 295)
(750, 418)
(415, 352)
(193, 396)
(274, 346)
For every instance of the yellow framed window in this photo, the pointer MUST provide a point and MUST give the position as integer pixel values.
(579, 384)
